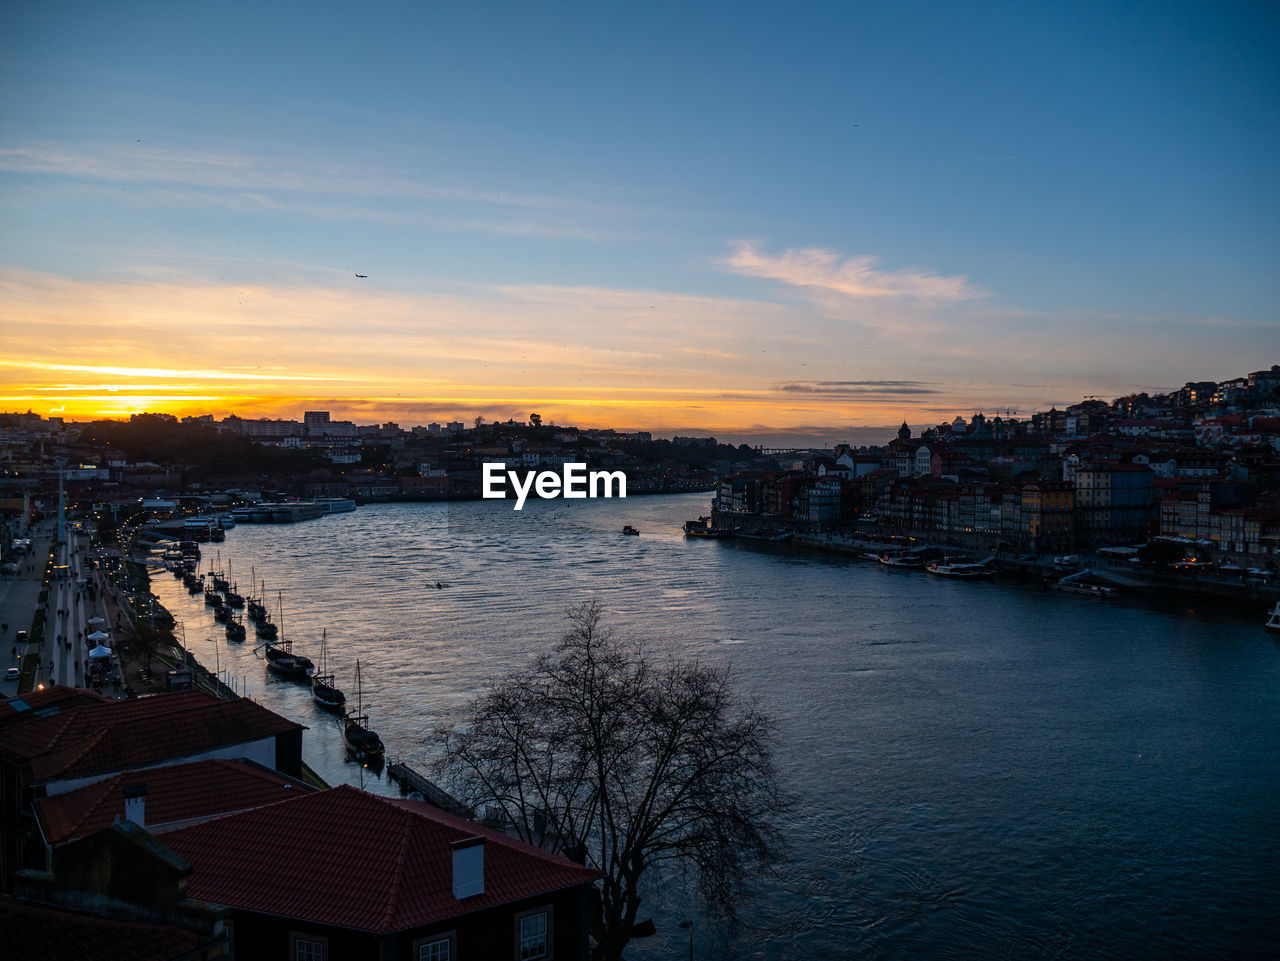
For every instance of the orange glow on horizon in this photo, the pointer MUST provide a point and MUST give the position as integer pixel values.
(580, 356)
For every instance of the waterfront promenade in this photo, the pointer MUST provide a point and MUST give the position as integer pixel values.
(58, 644)
(19, 597)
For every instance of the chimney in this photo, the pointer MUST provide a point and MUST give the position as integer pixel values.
(468, 867)
(135, 804)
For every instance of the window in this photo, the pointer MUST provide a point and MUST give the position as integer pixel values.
(534, 934)
(308, 947)
(435, 947)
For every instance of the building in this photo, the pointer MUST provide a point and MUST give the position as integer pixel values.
(1048, 516)
(61, 739)
(343, 874)
(1115, 503)
(315, 421)
(162, 798)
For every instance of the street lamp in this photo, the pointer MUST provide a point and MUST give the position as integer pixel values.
(689, 925)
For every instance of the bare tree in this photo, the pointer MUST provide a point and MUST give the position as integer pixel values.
(630, 762)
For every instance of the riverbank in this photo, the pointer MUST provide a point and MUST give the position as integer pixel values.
(1118, 573)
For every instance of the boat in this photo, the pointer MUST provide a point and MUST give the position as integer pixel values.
(235, 629)
(265, 629)
(909, 561)
(628, 529)
(323, 689)
(254, 607)
(966, 570)
(1085, 582)
(281, 659)
(702, 528)
(362, 742)
(1273, 621)
(335, 505)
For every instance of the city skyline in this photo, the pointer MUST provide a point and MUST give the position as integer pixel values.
(739, 221)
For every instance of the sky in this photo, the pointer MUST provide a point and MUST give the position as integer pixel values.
(754, 220)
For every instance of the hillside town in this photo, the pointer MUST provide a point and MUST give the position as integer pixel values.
(1198, 466)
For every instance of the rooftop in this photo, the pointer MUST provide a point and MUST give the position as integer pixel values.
(174, 793)
(351, 859)
(69, 735)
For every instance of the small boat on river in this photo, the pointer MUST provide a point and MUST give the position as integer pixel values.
(702, 528)
(628, 529)
(1273, 620)
(235, 629)
(283, 661)
(967, 570)
(323, 689)
(906, 561)
(362, 742)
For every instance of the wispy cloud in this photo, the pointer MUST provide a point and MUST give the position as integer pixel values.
(856, 277)
(350, 188)
(860, 389)
(248, 172)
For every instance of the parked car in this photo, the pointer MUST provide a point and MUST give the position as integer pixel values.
(11, 674)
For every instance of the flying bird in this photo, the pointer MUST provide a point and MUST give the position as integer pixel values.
(362, 276)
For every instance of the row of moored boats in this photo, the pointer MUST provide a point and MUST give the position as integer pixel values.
(969, 570)
(221, 593)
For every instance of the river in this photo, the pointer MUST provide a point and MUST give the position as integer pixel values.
(980, 769)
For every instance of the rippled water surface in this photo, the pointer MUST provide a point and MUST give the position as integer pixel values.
(981, 770)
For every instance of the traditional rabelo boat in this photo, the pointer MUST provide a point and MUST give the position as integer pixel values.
(323, 689)
(235, 629)
(282, 661)
(362, 742)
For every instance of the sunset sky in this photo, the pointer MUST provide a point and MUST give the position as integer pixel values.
(748, 219)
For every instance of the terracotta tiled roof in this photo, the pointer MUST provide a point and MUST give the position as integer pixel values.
(73, 739)
(175, 792)
(34, 933)
(60, 696)
(352, 859)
